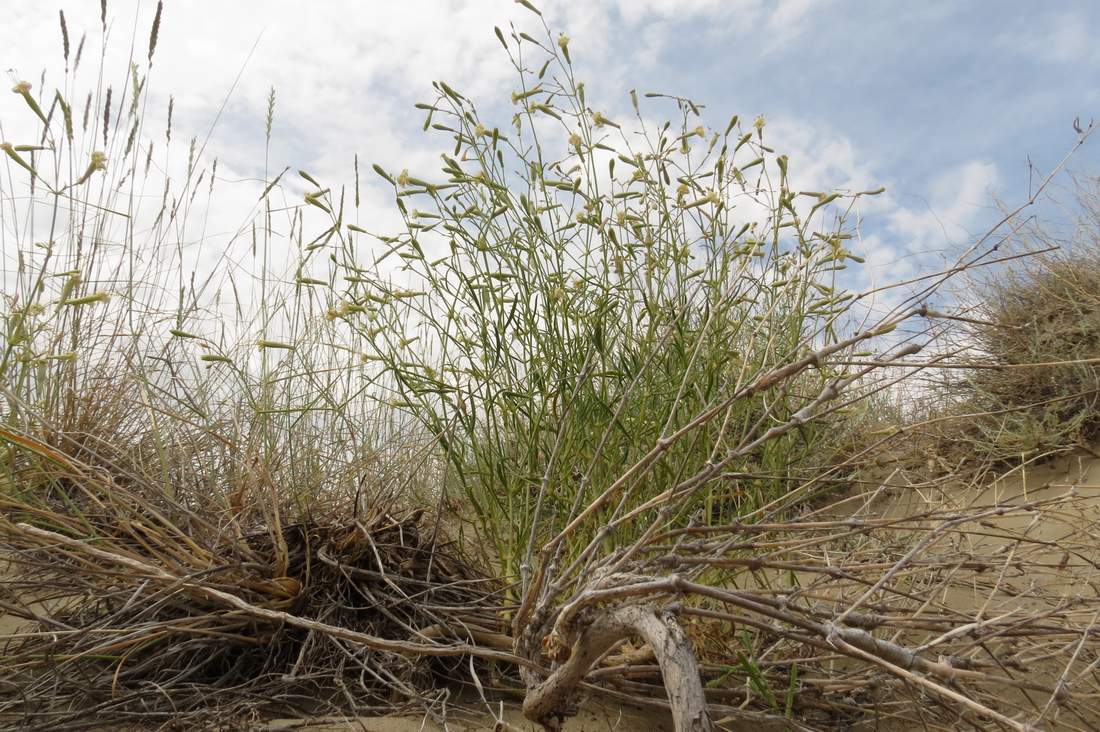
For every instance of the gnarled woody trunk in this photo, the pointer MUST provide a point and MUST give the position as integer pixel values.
(550, 702)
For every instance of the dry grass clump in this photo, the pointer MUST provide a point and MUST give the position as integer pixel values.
(145, 611)
(1047, 312)
(1031, 388)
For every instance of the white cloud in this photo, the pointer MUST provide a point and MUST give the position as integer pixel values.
(788, 18)
(346, 74)
(1063, 38)
(959, 198)
(900, 234)
(819, 158)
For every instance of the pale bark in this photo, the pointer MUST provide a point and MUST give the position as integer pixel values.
(551, 701)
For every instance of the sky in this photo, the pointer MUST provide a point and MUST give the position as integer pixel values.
(946, 104)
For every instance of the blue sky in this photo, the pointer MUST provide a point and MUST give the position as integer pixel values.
(920, 86)
(941, 102)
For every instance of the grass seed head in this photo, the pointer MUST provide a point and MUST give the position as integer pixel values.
(96, 297)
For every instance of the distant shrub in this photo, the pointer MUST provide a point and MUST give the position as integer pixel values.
(1036, 326)
(575, 290)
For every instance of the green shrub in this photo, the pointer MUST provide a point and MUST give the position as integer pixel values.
(576, 289)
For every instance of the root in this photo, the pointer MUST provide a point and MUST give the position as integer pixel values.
(553, 700)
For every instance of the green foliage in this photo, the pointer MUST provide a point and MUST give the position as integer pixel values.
(577, 289)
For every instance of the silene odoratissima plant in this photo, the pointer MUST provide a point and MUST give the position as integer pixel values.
(571, 289)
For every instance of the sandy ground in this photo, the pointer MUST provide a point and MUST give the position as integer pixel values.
(1062, 547)
(592, 718)
(1048, 533)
